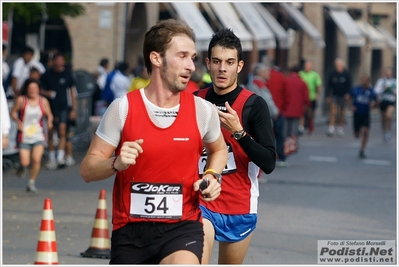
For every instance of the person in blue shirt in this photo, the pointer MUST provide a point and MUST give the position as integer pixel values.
(362, 99)
(106, 94)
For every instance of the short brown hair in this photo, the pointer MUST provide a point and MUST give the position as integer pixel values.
(159, 36)
(24, 89)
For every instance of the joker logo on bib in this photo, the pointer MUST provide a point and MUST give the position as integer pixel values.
(156, 201)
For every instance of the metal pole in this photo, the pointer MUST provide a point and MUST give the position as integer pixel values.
(42, 32)
(10, 26)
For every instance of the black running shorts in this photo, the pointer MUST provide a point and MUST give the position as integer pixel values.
(385, 104)
(150, 242)
(360, 120)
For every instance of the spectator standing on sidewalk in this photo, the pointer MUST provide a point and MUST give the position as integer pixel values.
(70, 133)
(386, 89)
(5, 119)
(5, 69)
(257, 84)
(157, 134)
(35, 74)
(100, 76)
(28, 112)
(120, 83)
(338, 87)
(277, 85)
(71, 128)
(107, 96)
(59, 88)
(314, 83)
(362, 99)
(102, 70)
(21, 69)
(297, 102)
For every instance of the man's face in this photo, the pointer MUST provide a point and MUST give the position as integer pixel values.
(27, 56)
(388, 73)
(308, 66)
(178, 63)
(223, 68)
(339, 66)
(35, 75)
(58, 62)
(365, 81)
(265, 74)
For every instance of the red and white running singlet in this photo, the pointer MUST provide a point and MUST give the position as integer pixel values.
(240, 188)
(159, 187)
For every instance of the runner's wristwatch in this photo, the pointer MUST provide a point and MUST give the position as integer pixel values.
(217, 176)
(238, 135)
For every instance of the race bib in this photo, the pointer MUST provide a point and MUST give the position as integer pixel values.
(156, 201)
(388, 97)
(230, 166)
(31, 130)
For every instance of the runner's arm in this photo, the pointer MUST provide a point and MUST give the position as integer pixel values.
(96, 165)
(216, 161)
(217, 154)
(14, 112)
(73, 113)
(260, 144)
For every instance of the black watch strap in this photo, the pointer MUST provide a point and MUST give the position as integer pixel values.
(238, 135)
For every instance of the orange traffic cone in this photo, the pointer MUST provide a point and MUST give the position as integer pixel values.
(100, 246)
(46, 252)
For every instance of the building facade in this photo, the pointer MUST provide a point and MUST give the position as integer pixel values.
(361, 33)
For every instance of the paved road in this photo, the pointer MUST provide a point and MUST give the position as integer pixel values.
(327, 192)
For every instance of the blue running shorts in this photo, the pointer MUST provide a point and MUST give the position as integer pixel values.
(230, 228)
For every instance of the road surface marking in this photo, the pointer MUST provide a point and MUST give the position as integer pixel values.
(377, 162)
(323, 159)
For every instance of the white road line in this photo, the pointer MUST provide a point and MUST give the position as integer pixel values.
(377, 162)
(322, 159)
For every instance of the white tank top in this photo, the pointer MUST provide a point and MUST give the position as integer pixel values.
(32, 124)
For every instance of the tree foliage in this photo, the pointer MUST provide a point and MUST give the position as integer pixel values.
(31, 13)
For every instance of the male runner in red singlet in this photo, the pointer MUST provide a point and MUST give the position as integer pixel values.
(157, 134)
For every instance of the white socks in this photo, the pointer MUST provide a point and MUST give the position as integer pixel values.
(51, 155)
(60, 155)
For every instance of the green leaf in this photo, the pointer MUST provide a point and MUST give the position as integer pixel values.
(32, 13)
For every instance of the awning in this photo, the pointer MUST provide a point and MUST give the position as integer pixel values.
(256, 24)
(377, 40)
(190, 13)
(280, 33)
(391, 40)
(348, 27)
(228, 17)
(305, 24)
